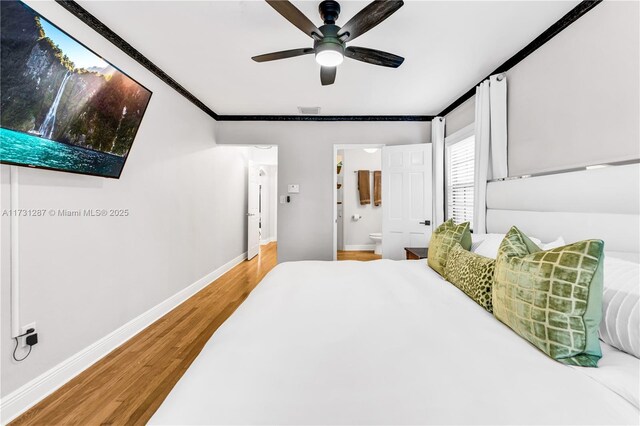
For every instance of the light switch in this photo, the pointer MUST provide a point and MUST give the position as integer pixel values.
(283, 199)
(293, 188)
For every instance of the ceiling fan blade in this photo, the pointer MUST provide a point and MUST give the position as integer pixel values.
(328, 75)
(282, 55)
(372, 56)
(297, 18)
(369, 17)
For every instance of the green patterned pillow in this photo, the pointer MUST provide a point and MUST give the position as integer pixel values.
(472, 274)
(443, 238)
(551, 298)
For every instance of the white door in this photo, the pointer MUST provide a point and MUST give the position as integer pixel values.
(253, 217)
(406, 198)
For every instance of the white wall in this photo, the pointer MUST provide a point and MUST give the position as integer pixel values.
(267, 155)
(356, 233)
(574, 101)
(305, 157)
(81, 277)
(461, 117)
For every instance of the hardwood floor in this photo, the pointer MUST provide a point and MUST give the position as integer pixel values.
(358, 255)
(129, 384)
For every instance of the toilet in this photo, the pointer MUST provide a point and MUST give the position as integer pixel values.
(377, 238)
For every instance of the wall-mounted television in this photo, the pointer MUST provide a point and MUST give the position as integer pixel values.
(62, 106)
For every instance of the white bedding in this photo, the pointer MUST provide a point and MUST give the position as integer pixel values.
(384, 342)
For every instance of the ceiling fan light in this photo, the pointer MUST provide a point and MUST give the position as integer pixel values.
(329, 58)
(329, 55)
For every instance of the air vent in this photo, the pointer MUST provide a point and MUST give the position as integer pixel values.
(309, 110)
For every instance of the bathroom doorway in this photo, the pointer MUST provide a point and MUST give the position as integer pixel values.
(357, 202)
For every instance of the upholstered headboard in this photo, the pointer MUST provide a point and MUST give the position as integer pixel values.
(599, 203)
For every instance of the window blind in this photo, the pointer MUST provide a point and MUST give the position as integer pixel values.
(459, 163)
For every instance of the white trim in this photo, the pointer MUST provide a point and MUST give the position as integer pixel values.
(336, 148)
(460, 135)
(360, 247)
(37, 389)
(570, 170)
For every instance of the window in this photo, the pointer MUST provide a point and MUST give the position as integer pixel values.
(459, 165)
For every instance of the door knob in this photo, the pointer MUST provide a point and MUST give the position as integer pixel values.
(426, 222)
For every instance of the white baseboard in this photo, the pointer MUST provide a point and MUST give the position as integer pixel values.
(267, 241)
(37, 389)
(360, 247)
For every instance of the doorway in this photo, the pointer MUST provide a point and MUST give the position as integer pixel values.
(262, 198)
(357, 210)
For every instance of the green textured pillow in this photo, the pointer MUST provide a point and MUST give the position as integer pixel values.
(472, 274)
(443, 238)
(551, 298)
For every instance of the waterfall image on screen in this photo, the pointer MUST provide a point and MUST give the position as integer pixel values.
(62, 107)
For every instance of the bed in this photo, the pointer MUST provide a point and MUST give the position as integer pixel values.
(391, 342)
(383, 342)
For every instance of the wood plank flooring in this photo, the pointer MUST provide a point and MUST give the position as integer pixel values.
(358, 255)
(128, 385)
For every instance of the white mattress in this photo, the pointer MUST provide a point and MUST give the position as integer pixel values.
(383, 342)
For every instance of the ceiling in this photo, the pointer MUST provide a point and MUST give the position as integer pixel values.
(207, 46)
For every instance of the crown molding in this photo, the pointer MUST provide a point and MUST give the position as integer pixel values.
(324, 118)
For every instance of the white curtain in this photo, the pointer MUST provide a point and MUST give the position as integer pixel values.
(437, 146)
(498, 101)
(491, 143)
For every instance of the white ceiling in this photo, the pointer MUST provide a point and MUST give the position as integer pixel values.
(207, 46)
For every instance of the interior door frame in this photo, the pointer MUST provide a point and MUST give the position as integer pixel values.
(336, 148)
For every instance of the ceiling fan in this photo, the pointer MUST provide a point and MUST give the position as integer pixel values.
(330, 40)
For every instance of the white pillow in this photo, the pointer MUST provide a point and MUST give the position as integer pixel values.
(620, 325)
(490, 244)
(558, 242)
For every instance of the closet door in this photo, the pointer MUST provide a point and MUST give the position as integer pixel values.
(406, 198)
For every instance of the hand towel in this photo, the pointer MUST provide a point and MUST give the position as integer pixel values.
(377, 188)
(364, 187)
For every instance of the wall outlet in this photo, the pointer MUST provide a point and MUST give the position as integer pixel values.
(23, 329)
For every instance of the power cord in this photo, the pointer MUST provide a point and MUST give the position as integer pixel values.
(29, 331)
